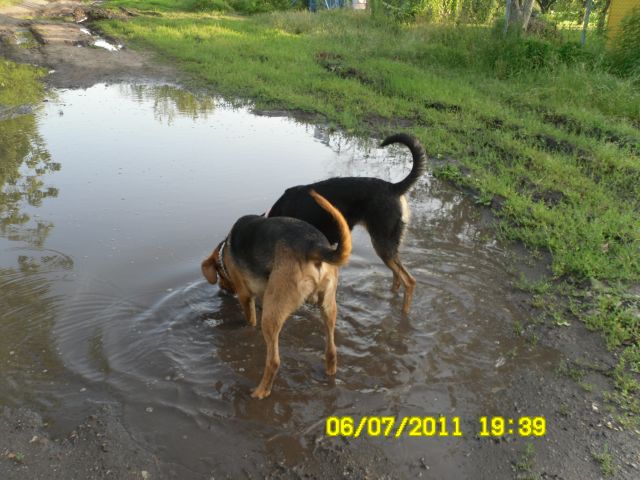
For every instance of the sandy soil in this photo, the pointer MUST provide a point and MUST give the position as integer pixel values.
(101, 447)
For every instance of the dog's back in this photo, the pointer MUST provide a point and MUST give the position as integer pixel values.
(362, 200)
(255, 239)
(352, 196)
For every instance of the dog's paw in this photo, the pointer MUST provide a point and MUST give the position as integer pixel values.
(331, 369)
(260, 393)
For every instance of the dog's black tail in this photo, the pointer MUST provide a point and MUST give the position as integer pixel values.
(339, 256)
(419, 160)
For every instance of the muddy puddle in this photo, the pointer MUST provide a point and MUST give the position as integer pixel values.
(111, 198)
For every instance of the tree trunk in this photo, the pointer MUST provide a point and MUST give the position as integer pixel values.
(545, 5)
(603, 16)
(528, 8)
(587, 13)
(507, 16)
(519, 13)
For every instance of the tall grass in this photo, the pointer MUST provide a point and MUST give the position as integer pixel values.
(626, 46)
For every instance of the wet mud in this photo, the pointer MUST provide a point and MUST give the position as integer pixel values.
(61, 37)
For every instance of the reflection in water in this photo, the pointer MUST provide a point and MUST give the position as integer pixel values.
(27, 303)
(27, 315)
(24, 160)
(170, 102)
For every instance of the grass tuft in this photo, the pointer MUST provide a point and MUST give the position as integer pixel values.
(19, 84)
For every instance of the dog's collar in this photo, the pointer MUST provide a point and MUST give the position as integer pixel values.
(221, 255)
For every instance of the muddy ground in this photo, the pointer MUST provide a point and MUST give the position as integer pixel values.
(52, 34)
(581, 424)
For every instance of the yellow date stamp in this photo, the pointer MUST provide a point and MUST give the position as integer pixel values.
(432, 426)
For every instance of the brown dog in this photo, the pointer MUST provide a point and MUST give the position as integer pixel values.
(286, 262)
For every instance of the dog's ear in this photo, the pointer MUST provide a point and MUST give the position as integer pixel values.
(209, 270)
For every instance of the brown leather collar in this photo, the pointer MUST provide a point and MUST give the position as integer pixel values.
(225, 279)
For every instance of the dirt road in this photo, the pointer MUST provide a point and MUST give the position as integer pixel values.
(58, 36)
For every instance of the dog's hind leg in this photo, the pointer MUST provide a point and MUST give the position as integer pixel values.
(329, 311)
(395, 286)
(386, 239)
(272, 322)
(407, 280)
(387, 250)
(280, 300)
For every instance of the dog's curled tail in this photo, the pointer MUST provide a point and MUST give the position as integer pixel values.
(339, 256)
(419, 160)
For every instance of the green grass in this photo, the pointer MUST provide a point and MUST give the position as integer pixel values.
(539, 123)
(19, 84)
(571, 370)
(605, 460)
(523, 466)
(154, 5)
(6, 3)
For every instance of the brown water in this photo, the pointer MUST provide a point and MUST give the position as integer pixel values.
(111, 197)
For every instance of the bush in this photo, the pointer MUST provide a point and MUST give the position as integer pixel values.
(518, 54)
(399, 10)
(478, 11)
(538, 54)
(241, 6)
(209, 5)
(573, 52)
(453, 11)
(543, 27)
(625, 54)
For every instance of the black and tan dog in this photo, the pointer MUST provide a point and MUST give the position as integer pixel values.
(286, 262)
(378, 205)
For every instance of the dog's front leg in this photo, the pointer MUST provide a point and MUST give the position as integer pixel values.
(395, 286)
(248, 303)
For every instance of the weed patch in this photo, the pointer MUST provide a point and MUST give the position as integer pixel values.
(605, 460)
(19, 84)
